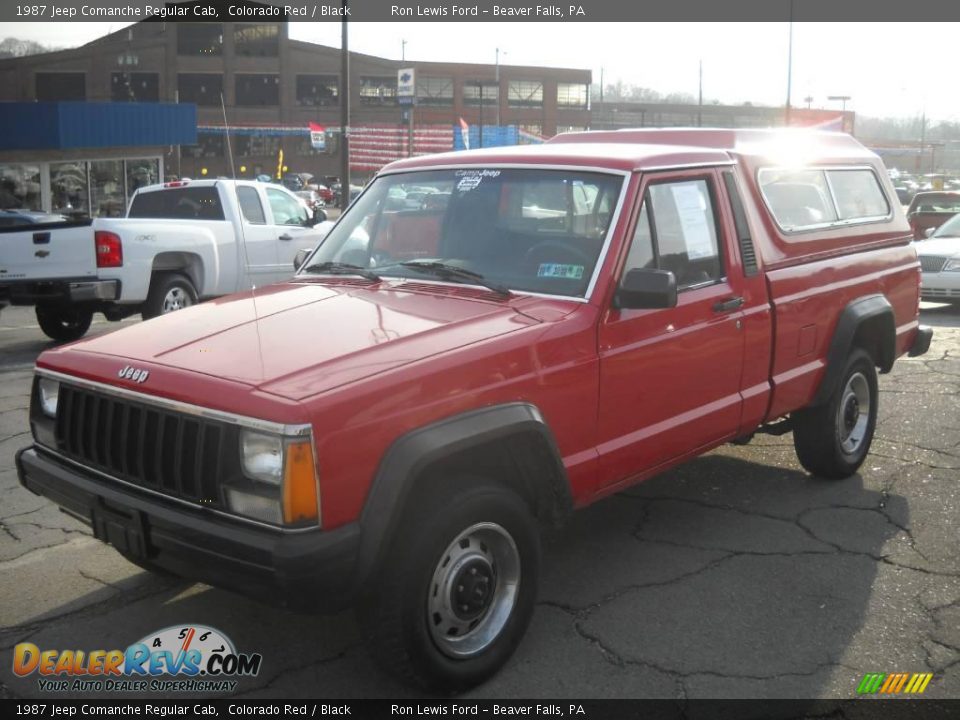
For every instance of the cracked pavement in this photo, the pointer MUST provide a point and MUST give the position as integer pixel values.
(733, 576)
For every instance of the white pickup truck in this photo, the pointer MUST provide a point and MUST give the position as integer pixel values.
(180, 242)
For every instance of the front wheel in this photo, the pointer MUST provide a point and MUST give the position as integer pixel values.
(63, 323)
(832, 440)
(451, 603)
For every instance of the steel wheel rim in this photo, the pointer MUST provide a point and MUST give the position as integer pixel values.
(853, 415)
(175, 299)
(473, 590)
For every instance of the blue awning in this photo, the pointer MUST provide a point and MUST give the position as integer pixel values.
(69, 125)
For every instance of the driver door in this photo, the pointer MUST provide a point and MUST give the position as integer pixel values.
(292, 228)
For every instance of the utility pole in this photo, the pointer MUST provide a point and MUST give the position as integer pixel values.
(700, 98)
(344, 110)
(601, 86)
(481, 112)
(789, 68)
(499, 94)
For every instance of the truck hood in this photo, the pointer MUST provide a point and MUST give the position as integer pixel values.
(298, 339)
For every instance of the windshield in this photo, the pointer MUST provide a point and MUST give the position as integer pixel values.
(527, 230)
(951, 228)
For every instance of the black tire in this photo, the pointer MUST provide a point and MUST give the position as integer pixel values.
(63, 323)
(832, 440)
(405, 632)
(168, 292)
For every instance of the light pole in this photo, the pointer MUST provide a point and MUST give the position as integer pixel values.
(403, 50)
(789, 68)
(344, 111)
(497, 78)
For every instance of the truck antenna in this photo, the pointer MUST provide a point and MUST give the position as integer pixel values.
(226, 132)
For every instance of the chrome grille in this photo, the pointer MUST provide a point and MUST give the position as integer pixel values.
(932, 263)
(176, 454)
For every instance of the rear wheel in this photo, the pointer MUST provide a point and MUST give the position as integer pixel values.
(452, 601)
(832, 440)
(63, 323)
(169, 292)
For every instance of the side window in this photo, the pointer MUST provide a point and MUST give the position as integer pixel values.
(858, 194)
(286, 210)
(250, 205)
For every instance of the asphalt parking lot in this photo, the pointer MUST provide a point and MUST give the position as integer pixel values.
(734, 576)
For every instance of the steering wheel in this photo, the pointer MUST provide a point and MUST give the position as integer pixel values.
(557, 246)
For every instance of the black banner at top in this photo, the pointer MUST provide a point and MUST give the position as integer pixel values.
(576, 11)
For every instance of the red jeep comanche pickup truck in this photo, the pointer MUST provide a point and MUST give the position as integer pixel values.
(391, 428)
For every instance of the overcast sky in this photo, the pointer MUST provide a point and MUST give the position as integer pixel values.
(889, 69)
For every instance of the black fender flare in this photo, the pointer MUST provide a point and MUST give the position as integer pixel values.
(410, 454)
(878, 312)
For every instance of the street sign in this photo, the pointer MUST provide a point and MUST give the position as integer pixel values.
(406, 83)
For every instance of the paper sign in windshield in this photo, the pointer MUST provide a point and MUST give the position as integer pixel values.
(556, 270)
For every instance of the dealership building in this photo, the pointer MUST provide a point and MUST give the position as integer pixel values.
(272, 89)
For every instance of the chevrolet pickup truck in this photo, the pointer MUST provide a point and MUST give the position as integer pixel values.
(393, 427)
(180, 242)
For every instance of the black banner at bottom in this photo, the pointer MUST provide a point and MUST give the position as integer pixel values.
(856, 709)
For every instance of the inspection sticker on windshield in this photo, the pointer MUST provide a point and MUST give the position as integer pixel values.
(556, 270)
(470, 179)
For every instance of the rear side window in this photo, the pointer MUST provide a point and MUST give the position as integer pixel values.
(801, 199)
(196, 203)
(250, 205)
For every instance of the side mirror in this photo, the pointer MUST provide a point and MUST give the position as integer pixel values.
(319, 215)
(929, 231)
(301, 257)
(644, 289)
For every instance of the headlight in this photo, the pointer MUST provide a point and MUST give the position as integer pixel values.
(282, 485)
(262, 456)
(49, 394)
(953, 265)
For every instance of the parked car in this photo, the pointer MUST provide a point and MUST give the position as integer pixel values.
(181, 242)
(393, 426)
(13, 218)
(929, 210)
(940, 263)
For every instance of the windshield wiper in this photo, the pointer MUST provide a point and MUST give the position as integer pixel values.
(337, 268)
(455, 273)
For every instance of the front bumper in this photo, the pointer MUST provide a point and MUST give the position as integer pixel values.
(941, 286)
(309, 570)
(61, 291)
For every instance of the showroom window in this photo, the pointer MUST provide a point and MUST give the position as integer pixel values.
(208, 146)
(256, 145)
(57, 86)
(107, 194)
(435, 91)
(141, 173)
(68, 188)
(472, 93)
(317, 90)
(134, 87)
(378, 91)
(200, 88)
(20, 187)
(199, 39)
(259, 40)
(258, 90)
(525, 93)
(573, 95)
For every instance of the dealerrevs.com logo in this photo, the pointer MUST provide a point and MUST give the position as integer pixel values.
(190, 658)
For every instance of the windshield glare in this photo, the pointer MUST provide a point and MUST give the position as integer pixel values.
(529, 230)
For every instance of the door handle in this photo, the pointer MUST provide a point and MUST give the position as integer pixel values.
(728, 305)
(285, 236)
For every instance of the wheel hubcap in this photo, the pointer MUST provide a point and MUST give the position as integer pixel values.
(175, 299)
(473, 590)
(853, 415)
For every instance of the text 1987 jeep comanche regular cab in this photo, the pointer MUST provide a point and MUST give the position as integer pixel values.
(390, 428)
